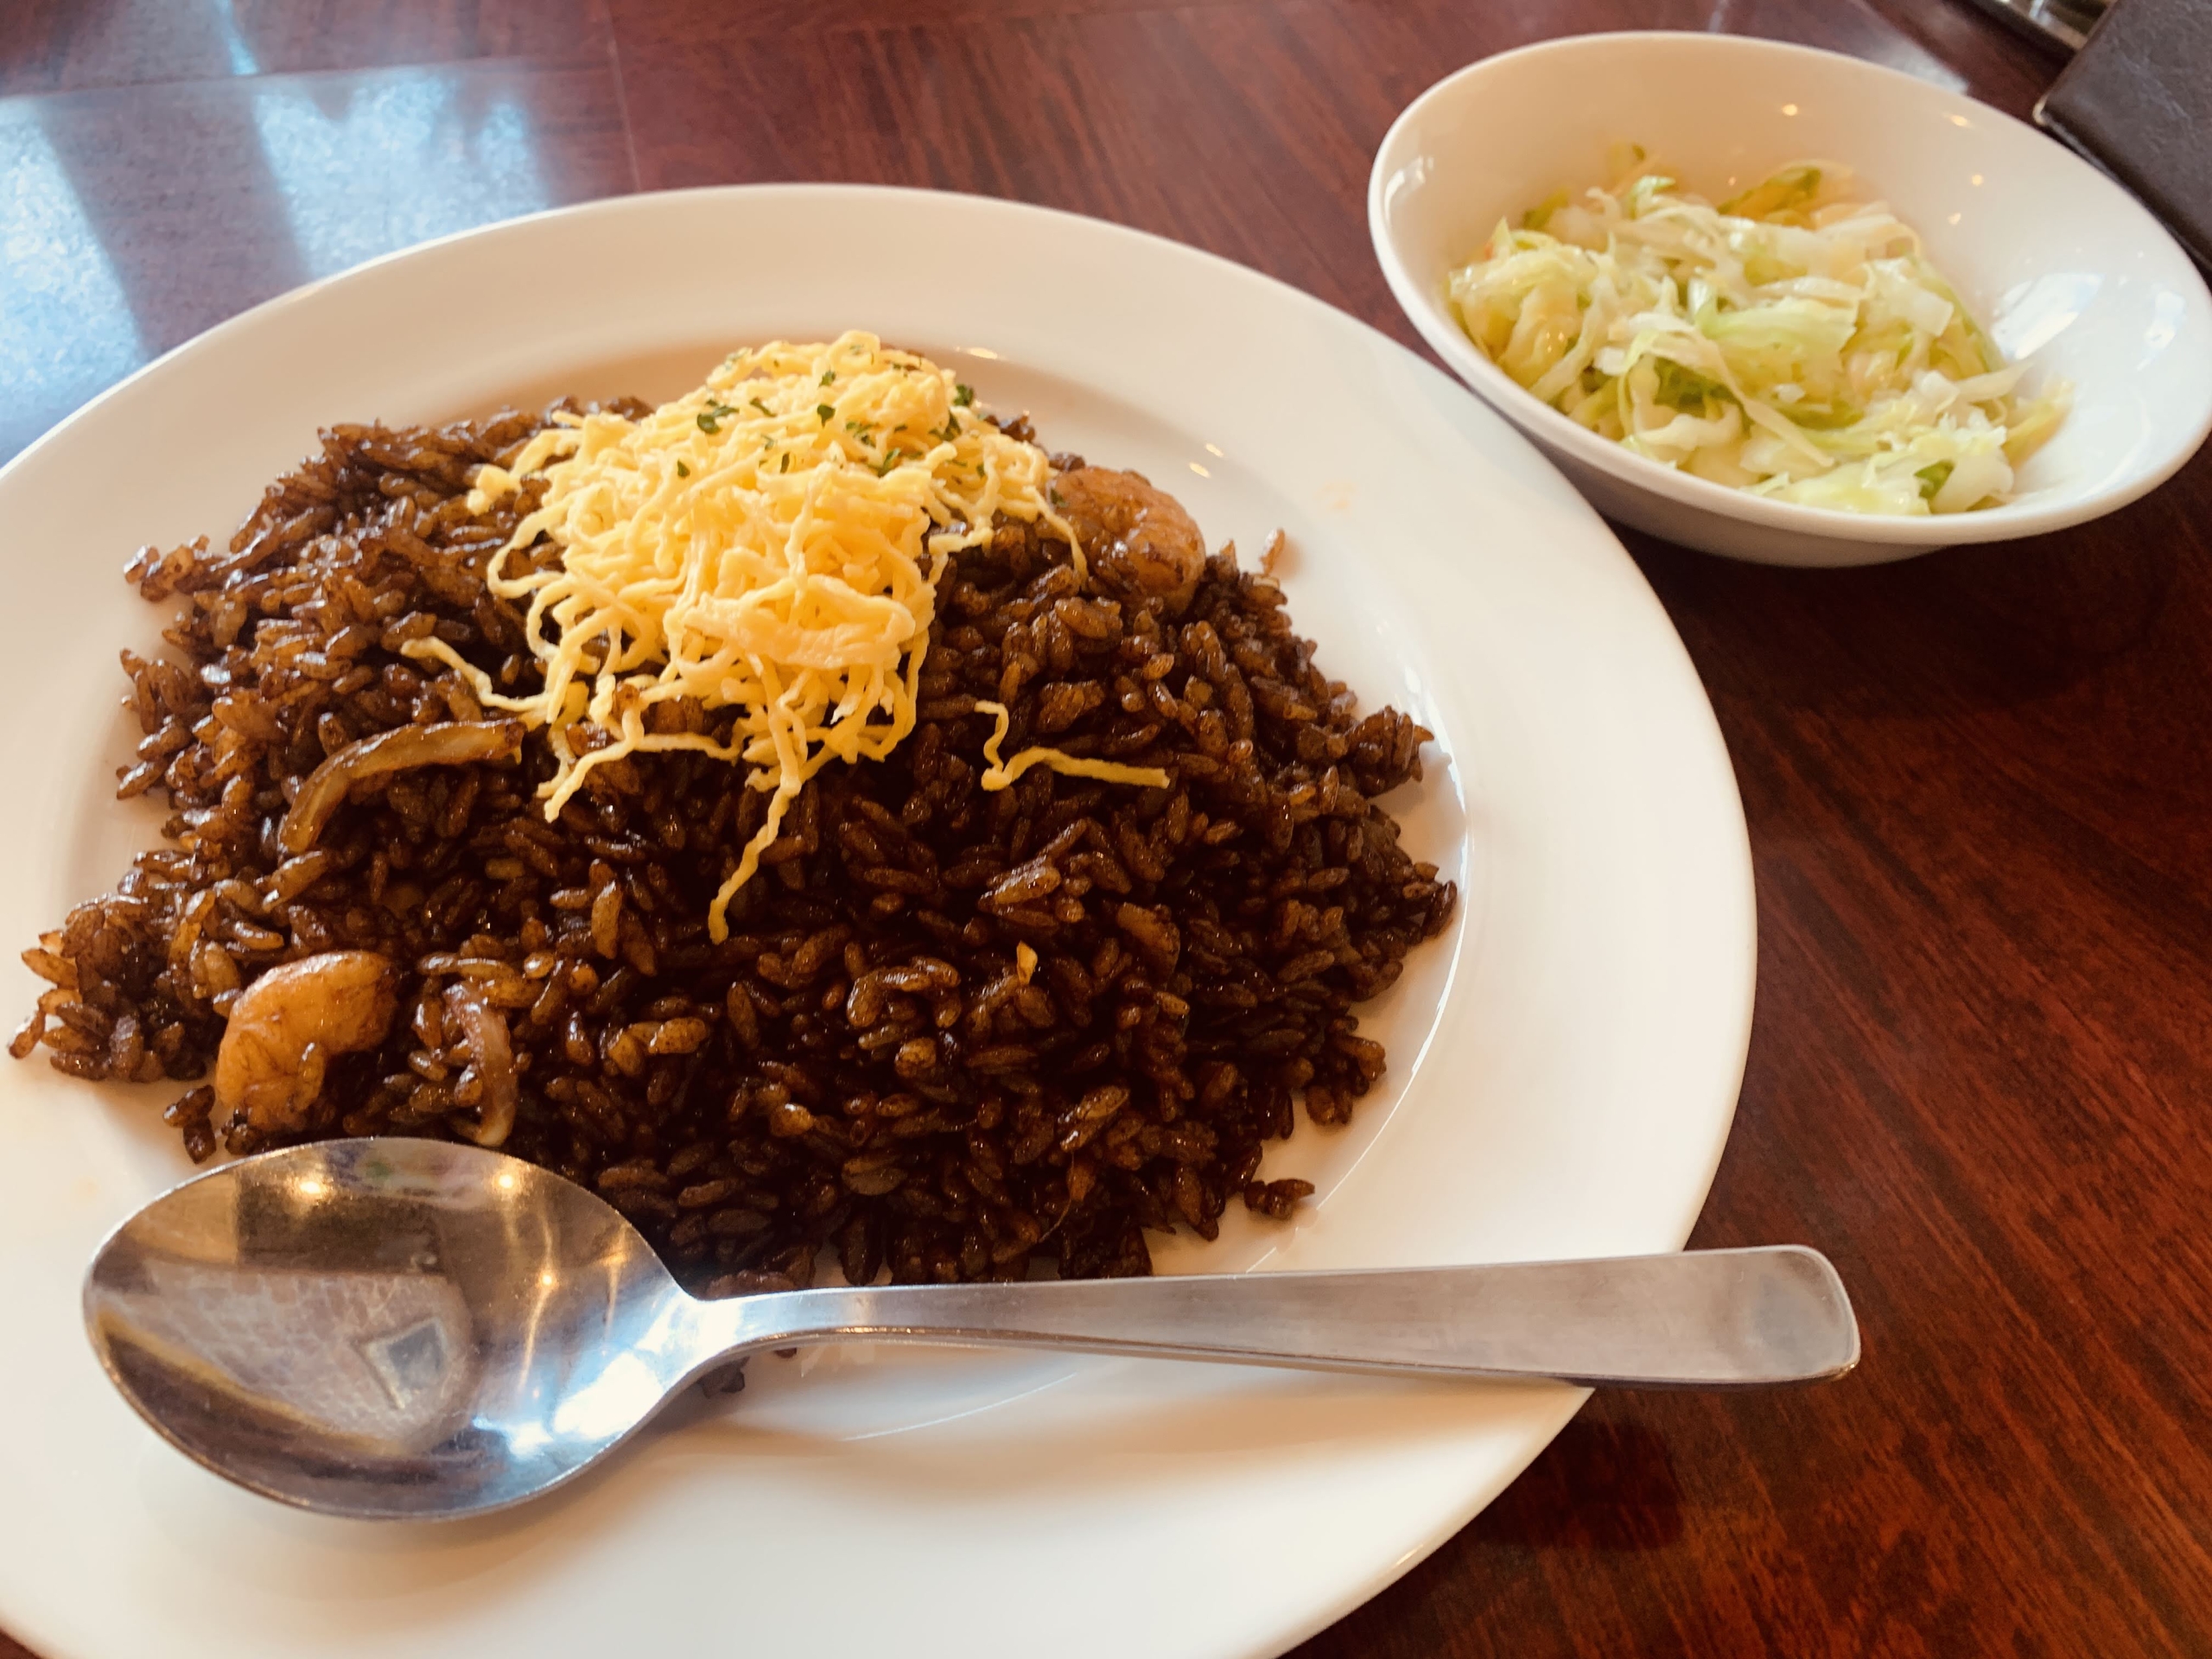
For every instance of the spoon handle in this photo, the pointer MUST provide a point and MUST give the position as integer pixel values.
(1708, 1319)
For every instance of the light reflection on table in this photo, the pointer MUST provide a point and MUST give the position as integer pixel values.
(316, 173)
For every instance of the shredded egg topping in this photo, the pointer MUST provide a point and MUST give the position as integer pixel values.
(770, 543)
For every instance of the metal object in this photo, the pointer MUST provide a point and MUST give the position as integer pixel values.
(394, 1327)
(2061, 25)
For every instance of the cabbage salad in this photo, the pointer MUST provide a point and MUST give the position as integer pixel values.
(1792, 342)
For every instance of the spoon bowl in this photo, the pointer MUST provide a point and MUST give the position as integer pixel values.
(393, 1328)
(389, 1326)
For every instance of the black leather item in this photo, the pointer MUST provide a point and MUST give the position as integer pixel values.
(2137, 100)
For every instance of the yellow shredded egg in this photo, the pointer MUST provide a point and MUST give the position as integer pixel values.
(771, 542)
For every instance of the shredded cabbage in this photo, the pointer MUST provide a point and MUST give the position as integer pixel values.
(1792, 342)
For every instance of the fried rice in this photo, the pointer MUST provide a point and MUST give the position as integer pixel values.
(952, 1032)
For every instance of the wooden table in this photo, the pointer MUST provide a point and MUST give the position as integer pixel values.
(1977, 783)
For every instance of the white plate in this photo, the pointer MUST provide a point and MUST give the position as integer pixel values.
(1563, 1065)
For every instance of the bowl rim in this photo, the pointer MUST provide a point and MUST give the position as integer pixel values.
(1556, 431)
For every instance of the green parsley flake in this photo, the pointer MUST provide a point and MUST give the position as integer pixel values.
(708, 423)
(826, 412)
(963, 396)
(682, 471)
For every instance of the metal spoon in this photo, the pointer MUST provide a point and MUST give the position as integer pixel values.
(393, 1327)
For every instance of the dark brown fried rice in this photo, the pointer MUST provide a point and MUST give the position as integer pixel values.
(871, 1063)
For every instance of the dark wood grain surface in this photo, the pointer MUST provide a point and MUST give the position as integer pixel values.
(1977, 784)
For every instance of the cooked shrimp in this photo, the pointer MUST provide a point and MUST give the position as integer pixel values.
(1139, 541)
(287, 1024)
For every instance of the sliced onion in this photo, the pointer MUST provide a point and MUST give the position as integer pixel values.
(485, 1029)
(450, 743)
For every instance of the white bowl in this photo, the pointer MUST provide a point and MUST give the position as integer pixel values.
(2068, 270)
